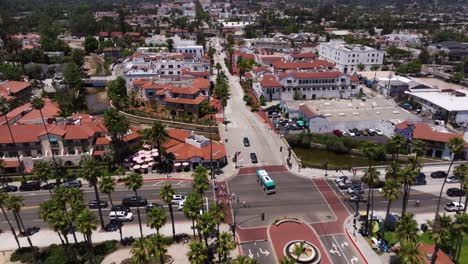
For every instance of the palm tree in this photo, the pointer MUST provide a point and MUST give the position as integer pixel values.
(287, 260)
(461, 171)
(409, 253)
(193, 204)
(13, 203)
(225, 245)
(440, 233)
(3, 197)
(456, 146)
(244, 260)
(107, 187)
(61, 196)
(37, 103)
(419, 147)
(371, 178)
(395, 144)
(134, 181)
(200, 180)
(205, 225)
(117, 125)
(460, 228)
(157, 247)
(406, 179)
(218, 67)
(407, 228)
(166, 194)
(91, 173)
(43, 171)
(156, 218)
(86, 222)
(391, 190)
(4, 109)
(218, 215)
(54, 217)
(159, 136)
(139, 254)
(198, 253)
(109, 157)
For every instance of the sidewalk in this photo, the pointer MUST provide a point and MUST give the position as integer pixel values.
(46, 237)
(366, 251)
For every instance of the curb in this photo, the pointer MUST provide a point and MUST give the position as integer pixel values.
(166, 179)
(355, 245)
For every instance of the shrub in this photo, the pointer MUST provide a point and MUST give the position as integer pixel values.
(56, 254)
(105, 247)
(24, 255)
(254, 108)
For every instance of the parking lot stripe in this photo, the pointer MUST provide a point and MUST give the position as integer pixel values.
(156, 184)
(179, 182)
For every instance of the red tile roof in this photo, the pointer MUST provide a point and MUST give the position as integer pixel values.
(261, 68)
(291, 65)
(50, 110)
(425, 132)
(178, 100)
(270, 81)
(21, 133)
(185, 151)
(304, 55)
(442, 258)
(13, 87)
(310, 75)
(102, 141)
(11, 163)
(306, 111)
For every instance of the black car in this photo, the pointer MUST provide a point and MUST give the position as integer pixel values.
(9, 188)
(93, 204)
(356, 132)
(134, 201)
(120, 208)
(253, 157)
(150, 206)
(455, 192)
(438, 174)
(72, 184)
(419, 181)
(246, 142)
(113, 226)
(30, 186)
(30, 231)
(48, 186)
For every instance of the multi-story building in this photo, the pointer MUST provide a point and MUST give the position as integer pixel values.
(296, 85)
(192, 51)
(347, 57)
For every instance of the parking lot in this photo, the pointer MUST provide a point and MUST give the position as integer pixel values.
(295, 197)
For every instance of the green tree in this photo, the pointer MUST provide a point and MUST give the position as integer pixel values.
(91, 44)
(460, 228)
(192, 206)
(218, 67)
(395, 145)
(86, 222)
(407, 228)
(205, 225)
(409, 253)
(361, 67)
(139, 254)
(200, 182)
(244, 260)
(43, 171)
(407, 177)
(117, 91)
(424, 56)
(440, 233)
(371, 177)
(157, 247)
(391, 190)
(134, 181)
(107, 187)
(158, 136)
(218, 215)
(170, 44)
(198, 253)
(91, 173)
(72, 75)
(156, 218)
(224, 247)
(14, 203)
(3, 198)
(4, 109)
(166, 194)
(117, 126)
(77, 56)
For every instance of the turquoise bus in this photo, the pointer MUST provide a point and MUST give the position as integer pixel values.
(268, 185)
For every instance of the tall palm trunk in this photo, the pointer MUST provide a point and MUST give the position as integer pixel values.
(115, 212)
(17, 222)
(193, 227)
(98, 199)
(172, 219)
(138, 212)
(70, 224)
(443, 184)
(389, 204)
(11, 226)
(91, 249)
(434, 255)
(24, 229)
(13, 142)
(48, 138)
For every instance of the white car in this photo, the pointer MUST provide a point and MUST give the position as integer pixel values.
(453, 179)
(454, 207)
(181, 204)
(350, 132)
(177, 198)
(378, 132)
(341, 178)
(121, 215)
(344, 133)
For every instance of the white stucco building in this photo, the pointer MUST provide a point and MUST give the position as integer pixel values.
(347, 57)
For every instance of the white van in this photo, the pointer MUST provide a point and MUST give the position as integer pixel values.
(121, 215)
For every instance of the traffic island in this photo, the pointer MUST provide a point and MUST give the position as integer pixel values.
(302, 252)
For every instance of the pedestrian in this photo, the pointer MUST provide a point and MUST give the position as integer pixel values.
(243, 203)
(237, 199)
(281, 148)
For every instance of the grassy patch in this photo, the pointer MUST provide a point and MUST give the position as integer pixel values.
(391, 238)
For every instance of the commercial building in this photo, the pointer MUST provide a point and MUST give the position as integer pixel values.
(455, 50)
(347, 57)
(448, 105)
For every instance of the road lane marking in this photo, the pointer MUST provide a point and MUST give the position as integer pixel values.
(344, 255)
(179, 182)
(156, 184)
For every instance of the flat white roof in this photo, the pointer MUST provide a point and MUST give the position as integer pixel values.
(445, 100)
(262, 172)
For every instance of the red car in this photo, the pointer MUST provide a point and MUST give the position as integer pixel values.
(337, 132)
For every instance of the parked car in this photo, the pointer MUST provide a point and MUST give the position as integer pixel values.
(93, 204)
(134, 201)
(341, 178)
(30, 186)
(378, 132)
(364, 132)
(337, 133)
(177, 198)
(455, 192)
(119, 207)
(181, 205)
(246, 142)
(150, 206)
(31, 231)
(357, 198)
(72, 184)
(419, 181)
(438, 174)
(370, 132)
(354, 189)
(356, 132)
(253, 157)
(121, 216)
(113, 225)
(351, 133)
(48, 186)
(454, 207)
(453, 179)
(344, 133)
(344, 185)
(9, 188)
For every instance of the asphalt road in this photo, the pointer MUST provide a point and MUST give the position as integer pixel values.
(294, 197)
(150, 191)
